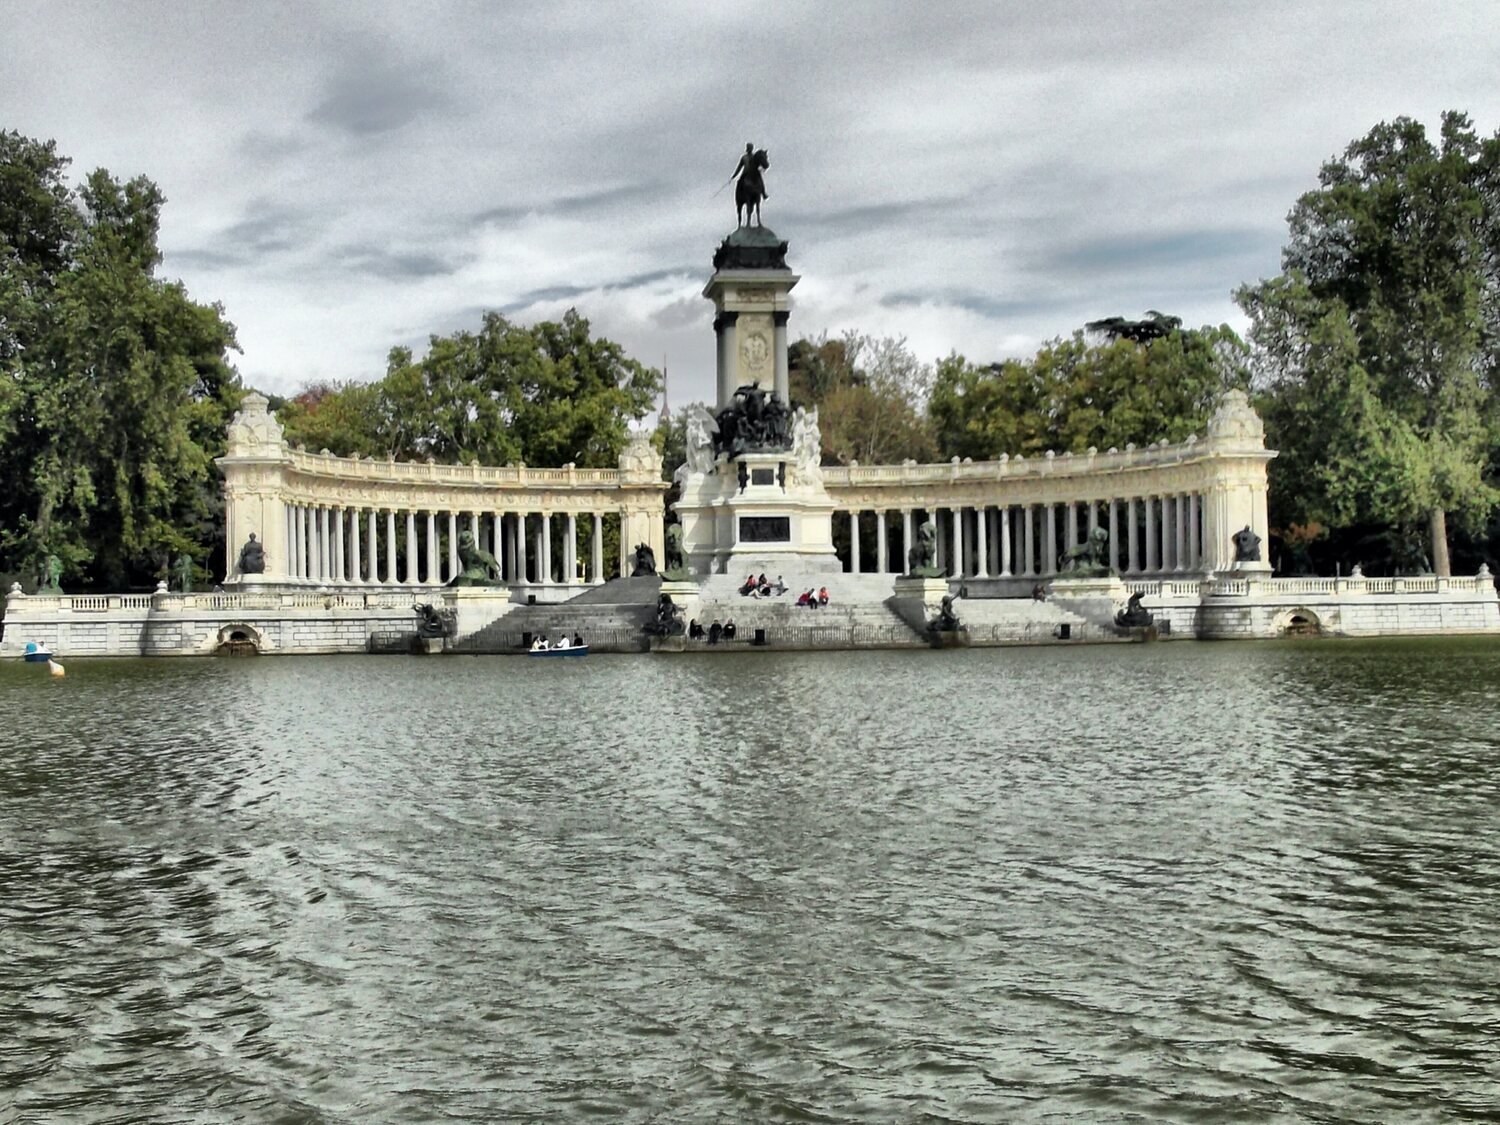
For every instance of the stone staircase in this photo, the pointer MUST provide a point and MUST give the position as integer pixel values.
(609, 617)
(857, 616)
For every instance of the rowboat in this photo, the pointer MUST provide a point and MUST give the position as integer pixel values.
(571, 650)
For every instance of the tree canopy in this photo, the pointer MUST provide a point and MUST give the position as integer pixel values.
(871, 394)
(114, 383)
(548, 394)
(1376, 346)
(1075, 393)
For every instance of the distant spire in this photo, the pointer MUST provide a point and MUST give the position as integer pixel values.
(665, 414)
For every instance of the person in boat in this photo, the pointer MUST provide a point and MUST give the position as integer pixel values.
(539, 643)
(577, 640)
(562, 642)
(714, 632)
(823, 596)
(729, 629)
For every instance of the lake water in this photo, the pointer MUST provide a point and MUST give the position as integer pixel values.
(1182, 882)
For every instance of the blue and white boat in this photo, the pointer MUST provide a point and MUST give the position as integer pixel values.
(571, 650)
(36, 654)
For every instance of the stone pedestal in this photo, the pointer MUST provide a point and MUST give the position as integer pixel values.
(756, 513)
(685, 596)
(1095, 599)
(919, 600)
(749, 289)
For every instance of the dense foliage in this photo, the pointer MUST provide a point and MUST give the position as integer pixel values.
(1378, 343)
(548, 395)
(114, 386)
(871, 396)
(1085, 392)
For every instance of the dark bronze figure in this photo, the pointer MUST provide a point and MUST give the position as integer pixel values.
(668, 619)
(435, 622)
(921, 560)
(751, 188)
(1134, 615)
(252, 557)
(645, 561)
(1090, 559)
(1246, 545)
(756, 421)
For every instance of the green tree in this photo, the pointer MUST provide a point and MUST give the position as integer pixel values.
(1080, 392)
(1378, 341)
(871, 394)
(118, 388)
(548, 394)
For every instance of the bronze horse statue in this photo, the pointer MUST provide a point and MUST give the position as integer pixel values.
(751, 188)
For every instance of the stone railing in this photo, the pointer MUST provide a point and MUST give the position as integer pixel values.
(1318, 587)
(18, 603)
(390, 471)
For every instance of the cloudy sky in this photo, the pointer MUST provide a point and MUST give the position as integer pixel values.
(979, 177)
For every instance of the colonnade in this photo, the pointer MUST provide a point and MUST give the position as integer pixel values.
(390, 546)
(1148, 535)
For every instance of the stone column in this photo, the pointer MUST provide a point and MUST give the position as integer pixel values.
(1093, 509)
(982, 542)
(783, 376)
(1166, 533)
(905, 539)
(519, 539)
(1028, 539)
(724, 330)
(390, 546)
(545, 548)
(1132, 555)
(452, 545)
(1195, 553)
(432, 549)
(1179, 541)
(1005, 542)
(411, 548)
(372, 544)
(882, 545)
(1114, 535)
(299, 543)
(1152, 561)
(320, 546)
(356, 569)
(1072, 526)
(958, 541)
(854, 542)
(570, 550)
(1049, 544)
(340, 547)
(596, 549)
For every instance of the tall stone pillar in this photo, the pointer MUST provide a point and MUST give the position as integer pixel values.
(390, 546)
(544, 548)
(1152, 562)
(906, 530)
(453, 567)
(1049, 544)
(299, 530)
(750, 290)
(432, 577)
(1028, 514)
(1005, 551)
(520, 545)
(1132, 558)
(1195, 553)
(958, 542)
(1072, 526)
(1179, 545)
(854, 542)
(724, 325)
(1167, 560)
(1114, 535)
(882, 548)
(596, 549)
(355, 567)
(570, 550)
(981, 543)
(783, 371)
(320, 537)
(256, 464)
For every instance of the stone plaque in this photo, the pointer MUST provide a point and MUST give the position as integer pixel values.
(762, 476)
(765, 529)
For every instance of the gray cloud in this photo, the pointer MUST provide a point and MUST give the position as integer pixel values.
(369, 99)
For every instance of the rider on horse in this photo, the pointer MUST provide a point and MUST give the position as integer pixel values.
(751, 188)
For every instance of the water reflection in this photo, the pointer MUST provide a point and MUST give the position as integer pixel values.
(1195, 882)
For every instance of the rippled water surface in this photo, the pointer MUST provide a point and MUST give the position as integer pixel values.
(1184, 882)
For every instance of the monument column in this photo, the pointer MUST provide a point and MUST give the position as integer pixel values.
(981, 543)
(596, 549)
(724, 325)
(544, 549)
(1005, 542)
(410, 576)
(783, 373)
(432, 549)
(1114, 535)
(905, 539)
(1195, 554)
(354, 559)
(1152, 562)
(299, 543)
(371, 541)
(452, 545)
(570, 551)
(320, 537)
(1028, 537)
(1072, 525)
(957, 515)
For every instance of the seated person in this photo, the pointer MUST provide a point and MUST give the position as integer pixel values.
(695, 631)
(763, 586)
(714, 631)
(779, 588)
(749, 586)
(729, 629)
(539, 643)
(577, 640)
(802, 598)
(823, 596)
(1039, 593)
(812, 599)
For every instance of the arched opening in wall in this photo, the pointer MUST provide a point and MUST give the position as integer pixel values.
(1299, 623)
(238, 640)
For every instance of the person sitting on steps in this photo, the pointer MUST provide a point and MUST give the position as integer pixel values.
(779, 588)
(803, 597)
(695, 631)
(729, 629)
(714, 632)
(823, 596)
(749, 587)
